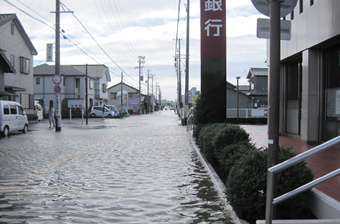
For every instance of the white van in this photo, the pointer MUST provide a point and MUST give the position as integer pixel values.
(12, 117)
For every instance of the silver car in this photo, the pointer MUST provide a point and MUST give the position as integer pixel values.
(97, 111)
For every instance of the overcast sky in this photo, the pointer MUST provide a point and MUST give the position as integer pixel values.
(126, 29)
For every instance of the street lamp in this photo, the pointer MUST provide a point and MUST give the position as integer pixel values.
(238, 77)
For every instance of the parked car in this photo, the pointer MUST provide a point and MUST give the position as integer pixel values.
(38, 110)
(12, 117)
(113, 108)
(97, 111)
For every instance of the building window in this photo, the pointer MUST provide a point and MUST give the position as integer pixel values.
(113, 96)
(77, 83)
(91, 84)
(24, 65)
(301, 6)
(37, 81)
(13, 60)
(12, 28)
(331, 93)
(311, 2)
(97, 87)
(104, 88)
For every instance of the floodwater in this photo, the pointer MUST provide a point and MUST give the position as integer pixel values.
(140, 169)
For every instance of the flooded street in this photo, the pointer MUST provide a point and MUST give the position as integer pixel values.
(140, 169)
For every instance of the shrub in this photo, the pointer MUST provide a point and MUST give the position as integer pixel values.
(206, 136)
(228, 135)
(230, 154)
(246, 185)
(196, 131)
(204, 111)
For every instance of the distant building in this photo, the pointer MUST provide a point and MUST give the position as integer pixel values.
(72, 85)
(16, 62)
(133, 99)
(193, 96)
(258, 80)
(244, 100)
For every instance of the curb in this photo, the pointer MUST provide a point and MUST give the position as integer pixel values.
(219, 185)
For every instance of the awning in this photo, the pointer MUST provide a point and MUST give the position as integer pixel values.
(13, 89)
(2, 93)
(6, 64)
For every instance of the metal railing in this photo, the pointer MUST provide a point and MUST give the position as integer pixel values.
(190, 119)
(288, 163)
(247, 113)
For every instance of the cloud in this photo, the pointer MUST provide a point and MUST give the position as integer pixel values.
(126, 29)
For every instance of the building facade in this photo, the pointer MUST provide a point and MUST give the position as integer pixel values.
(16, 82)
(73, 85)
(132, 103)
(310, 72)
(258, 90)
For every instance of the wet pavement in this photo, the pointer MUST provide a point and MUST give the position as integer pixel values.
(140, 169)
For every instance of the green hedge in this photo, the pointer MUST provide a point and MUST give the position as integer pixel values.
(246, 185)
(243, 168)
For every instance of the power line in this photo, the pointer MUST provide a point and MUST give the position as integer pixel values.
(69, 37)
(94, 39)
(28, 14)
(179, 10)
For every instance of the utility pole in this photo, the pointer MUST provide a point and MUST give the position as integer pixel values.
(141, 61)
(152, 96)
(179, 74)
(121, 96)
(186, 94)
(156, 94)
(187, 57)
(274, 101)
(148, 83)
(160, 96)
(57, 63)
(86, 97)
(238, 77)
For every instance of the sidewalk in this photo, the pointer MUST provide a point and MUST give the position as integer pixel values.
(321, 164)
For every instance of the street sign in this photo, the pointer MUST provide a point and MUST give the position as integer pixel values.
(57, 89)
(49, 52)
(75, 103)
(263, 29)
(286, 6)
(56, 79)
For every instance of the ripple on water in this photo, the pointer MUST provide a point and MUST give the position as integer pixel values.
(140, 173)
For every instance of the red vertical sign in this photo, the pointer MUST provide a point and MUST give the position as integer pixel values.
(213, 29)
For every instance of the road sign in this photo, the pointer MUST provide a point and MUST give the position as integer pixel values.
(286, 6)
(49, 52)
(75, 103)
(263, 29)
(56, 79)
(57, 89)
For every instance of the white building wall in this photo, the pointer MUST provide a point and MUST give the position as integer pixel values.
(16, 45)
(316, 24)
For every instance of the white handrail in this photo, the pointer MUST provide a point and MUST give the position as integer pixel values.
(288, 163)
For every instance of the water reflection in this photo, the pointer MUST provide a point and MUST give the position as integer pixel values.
(122, 175)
